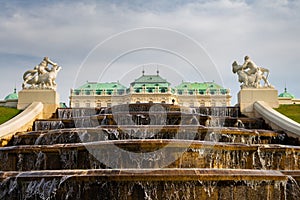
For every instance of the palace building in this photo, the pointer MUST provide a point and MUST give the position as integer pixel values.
(150, 89)
(11, 100)
(287, 98)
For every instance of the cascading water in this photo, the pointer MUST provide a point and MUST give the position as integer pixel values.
(48, 125)
(149, 151)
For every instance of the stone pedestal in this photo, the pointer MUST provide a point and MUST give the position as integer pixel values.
(49, 99)
(247, 97)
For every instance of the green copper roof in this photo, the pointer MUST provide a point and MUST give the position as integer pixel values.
(151, 80)
(151, 84)
(62, 105)
(286, 94)
(12, 96)
(101, 86)
(198, 86)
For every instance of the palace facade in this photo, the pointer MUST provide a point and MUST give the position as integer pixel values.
(150, 89)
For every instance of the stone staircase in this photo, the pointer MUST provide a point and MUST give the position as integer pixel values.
(150, 151)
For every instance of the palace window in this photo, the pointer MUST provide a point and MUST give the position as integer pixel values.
(213, 104)
(202, 103)
(121, 91)
(109, 92)
(98, 92)
(77, 92)
(202, 91)
(223, 91)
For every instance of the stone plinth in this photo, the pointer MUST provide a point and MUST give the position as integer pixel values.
(247, 97)
(49, 99)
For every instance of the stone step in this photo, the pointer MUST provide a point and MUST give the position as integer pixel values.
(147, 183)
(159, 153)
(76, 135)
(174, 118)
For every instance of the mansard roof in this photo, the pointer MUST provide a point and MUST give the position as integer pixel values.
(198, 86)
(150, 80)
(101, 86)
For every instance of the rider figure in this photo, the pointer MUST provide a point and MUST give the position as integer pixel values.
(39, 71)
(42, 68)
(249, 64)
(252, 69)
(256, 70)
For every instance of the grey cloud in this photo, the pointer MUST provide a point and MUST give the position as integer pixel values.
(67, 31)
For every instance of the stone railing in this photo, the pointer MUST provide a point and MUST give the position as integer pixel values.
(21, 122)
(276, 120)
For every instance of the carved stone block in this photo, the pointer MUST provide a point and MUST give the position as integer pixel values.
(49, 98)
(247, 97)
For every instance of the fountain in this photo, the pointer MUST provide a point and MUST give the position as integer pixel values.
(149, 151)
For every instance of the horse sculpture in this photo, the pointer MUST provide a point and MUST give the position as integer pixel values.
(244, 78)
(251, 80)
(41, 81)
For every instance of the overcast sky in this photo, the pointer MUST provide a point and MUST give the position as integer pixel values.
(115, 40)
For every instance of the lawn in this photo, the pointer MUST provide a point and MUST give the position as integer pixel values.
(291, 111)
(7, 113)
